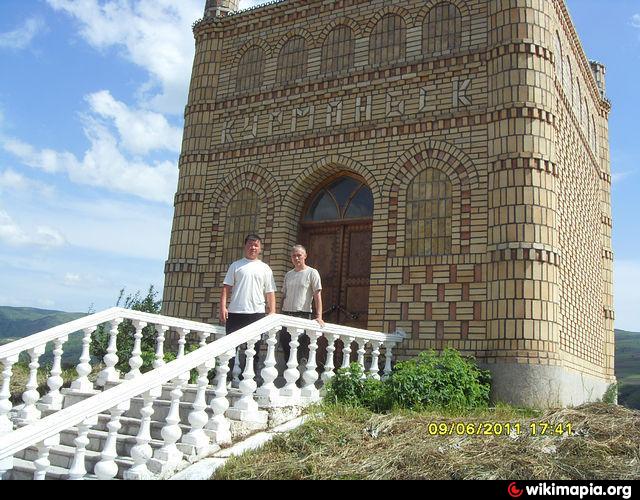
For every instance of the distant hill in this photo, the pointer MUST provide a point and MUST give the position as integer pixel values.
(18, 322)
(628, 368)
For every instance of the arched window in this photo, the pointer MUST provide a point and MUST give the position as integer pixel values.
(558, 58)
(250, 70)
(345, 198)
(292, 60)
(568, 80)
(429, 212)
(442, 29)
(595, 135)
(338, 50)
(387, 43)
(243, 215)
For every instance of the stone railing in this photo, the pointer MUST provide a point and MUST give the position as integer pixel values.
(208, 422)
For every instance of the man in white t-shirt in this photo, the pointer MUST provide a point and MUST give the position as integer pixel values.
(302, 287)
(250, 283)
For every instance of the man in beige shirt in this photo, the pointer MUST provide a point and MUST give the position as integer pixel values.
(302, 288)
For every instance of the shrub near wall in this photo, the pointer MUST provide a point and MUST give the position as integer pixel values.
(433, 380)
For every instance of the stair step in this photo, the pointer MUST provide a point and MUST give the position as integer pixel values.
(24, 470)
(98, 438)
(61, 457)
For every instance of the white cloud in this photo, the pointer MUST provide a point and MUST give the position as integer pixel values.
(635, 20)
(103, 165)
(245, 4)
(153, 34)
(21, 37)
(14, 235)
(12, 181)
(140, 131)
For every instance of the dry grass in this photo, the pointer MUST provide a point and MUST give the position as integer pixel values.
(356, 444)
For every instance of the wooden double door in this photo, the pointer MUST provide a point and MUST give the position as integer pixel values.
(341, 252)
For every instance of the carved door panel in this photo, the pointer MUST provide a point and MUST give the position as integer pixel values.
(323, 245)
(356, 271)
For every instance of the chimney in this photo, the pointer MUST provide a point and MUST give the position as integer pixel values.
(599, 71)
(220, 8)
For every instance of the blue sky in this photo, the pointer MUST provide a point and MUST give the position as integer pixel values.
(91, 100)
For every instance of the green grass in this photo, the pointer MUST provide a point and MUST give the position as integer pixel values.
(340, 442)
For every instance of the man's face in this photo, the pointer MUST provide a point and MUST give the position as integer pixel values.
(252, 249)
(298, 257)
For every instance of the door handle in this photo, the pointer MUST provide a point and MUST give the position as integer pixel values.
(330, 310)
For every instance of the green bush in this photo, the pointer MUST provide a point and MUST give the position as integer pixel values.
(351, 387)
(440, 380)
(126, 332)
(433, 380)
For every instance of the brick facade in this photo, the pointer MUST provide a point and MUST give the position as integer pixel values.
(493, 100)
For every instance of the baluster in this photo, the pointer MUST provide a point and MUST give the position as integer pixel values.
(142, 452)
(53, 399)
(374, 369)
(169, 456)
(237, 370)
(219, 427)
(161, 330)
(82, 383)
(182, 341)
(291, 374)
(267, 394)
(246, 409)
(203, 339)
(136, 354)
(198, 417)
(346, 351)
(6, 425)
(309, 392)
(78, 468)
(388, 354)
(30, 412)
(107, 468)
(361, 352)
(42, 462)
(329, 365)
(110, 374)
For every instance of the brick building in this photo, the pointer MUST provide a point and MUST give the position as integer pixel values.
(446, 164)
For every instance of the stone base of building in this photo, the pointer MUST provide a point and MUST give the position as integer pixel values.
(539, 386)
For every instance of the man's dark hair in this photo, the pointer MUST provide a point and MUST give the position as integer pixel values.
(252, 237)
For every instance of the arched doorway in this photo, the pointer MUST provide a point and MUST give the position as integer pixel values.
(336, 230)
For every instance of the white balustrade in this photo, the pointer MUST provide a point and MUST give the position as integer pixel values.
(107, 468)
(198, 418)
(110, 374)
(30, 412)
(53, 399)
(204, 434)
(268, 394)
(246, 409)
(309, 391)
(78, 467)
(82, 383)
(142, 452)
(42, 462)
(329, 365)
(219, 427)
(161, 330)
(136, 354)
(374, 369)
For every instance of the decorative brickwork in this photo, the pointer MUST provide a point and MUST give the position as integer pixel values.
(481, 130)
